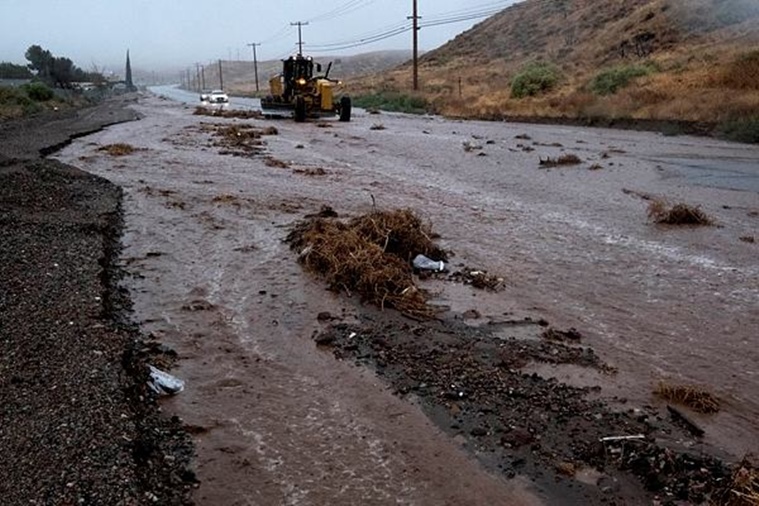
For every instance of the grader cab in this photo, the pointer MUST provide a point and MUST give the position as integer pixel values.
(301, 94)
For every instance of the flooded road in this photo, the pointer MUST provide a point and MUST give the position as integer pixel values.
(279, 422)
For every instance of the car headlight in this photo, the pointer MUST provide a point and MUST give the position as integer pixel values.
(301, 81)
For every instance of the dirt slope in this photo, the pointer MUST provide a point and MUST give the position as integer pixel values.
(692, 53)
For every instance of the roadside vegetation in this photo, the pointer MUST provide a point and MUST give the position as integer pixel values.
(741, 130)
(26, 100)
(609, 81)
(46, 73)
(533, 79)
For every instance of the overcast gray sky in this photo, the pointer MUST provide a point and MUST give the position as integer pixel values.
(160, 33)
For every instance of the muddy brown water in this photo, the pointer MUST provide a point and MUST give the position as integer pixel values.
(278, 422)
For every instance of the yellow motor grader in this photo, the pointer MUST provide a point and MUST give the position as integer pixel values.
(301, 94)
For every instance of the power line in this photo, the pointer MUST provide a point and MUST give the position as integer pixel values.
(481, 11)
(379, 32)
(362, 42)
(342, 10)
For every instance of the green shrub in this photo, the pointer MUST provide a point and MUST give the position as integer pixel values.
(609, 81)
(393, 102)
(741, 130)
(533, 79)
(13, 96)
(15, 103)
(38, 92)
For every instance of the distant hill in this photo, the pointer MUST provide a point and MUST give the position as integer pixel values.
(239, 76)
(694, 60)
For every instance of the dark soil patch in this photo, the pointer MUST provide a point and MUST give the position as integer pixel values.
(469, 381)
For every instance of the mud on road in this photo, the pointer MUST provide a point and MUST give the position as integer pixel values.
(277, 420)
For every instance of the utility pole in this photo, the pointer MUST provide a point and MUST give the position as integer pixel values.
(221, 77)
(203, 76)
(189, 81)
(301, 24)
(415, 17)
(255, 62)
(197, 72)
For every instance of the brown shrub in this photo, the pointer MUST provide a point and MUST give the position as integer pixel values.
(367, 256)
(693, 397)
(270, 161)
(679, 214)
(568, 159)
(311, 171)
(225, 199)
(119, 149)
(401, 233)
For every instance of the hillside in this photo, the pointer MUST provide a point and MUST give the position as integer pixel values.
(239, 76)
(692, 60)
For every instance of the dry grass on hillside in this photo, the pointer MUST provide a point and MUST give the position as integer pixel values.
(695, 50)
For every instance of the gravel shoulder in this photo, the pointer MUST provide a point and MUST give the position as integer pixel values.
(77, 422)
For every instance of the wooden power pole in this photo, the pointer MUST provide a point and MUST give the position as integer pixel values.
(255, 62)
(300, 25)
(221, 77)
(415, 18)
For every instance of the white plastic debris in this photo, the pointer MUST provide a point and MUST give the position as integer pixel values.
(421, 262)
(164, 383)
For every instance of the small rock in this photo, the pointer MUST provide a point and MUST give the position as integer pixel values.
(517, 437)
(324, 339)
(566, 468)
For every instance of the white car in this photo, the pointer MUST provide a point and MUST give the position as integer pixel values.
(218, 97)
(215, 99)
